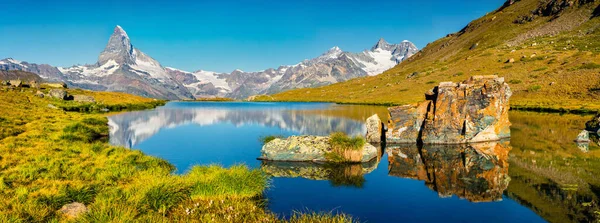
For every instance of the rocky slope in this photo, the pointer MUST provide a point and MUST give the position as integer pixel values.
(122, 67)
(548, 51)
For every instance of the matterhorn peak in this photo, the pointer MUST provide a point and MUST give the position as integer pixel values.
(120, 31)
(119, 48)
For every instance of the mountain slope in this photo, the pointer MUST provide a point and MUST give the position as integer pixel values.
(554, 44)
(19, 75)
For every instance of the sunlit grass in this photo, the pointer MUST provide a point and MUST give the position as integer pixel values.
(49, 158)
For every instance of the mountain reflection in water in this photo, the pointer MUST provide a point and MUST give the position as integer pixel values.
(129, 129)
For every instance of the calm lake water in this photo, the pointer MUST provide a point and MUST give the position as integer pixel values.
(545, 177)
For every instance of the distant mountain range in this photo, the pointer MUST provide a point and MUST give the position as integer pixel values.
(122, 67)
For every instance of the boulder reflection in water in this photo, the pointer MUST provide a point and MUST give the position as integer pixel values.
(351, 175)
(476, 172)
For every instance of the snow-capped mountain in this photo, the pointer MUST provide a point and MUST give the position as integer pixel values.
(330, 67)
(124, 68)
(121, 67)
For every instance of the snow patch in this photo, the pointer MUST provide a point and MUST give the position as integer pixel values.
(106, 69)
(209, 76)
(382, 61)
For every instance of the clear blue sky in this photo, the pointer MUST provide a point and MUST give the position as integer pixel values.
(222, 35)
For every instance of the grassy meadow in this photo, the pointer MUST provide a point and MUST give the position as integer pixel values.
(54, 155)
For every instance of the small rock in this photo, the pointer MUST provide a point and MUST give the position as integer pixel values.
(39, 94)
(52, 106)
(584, 136)
(58, 93)
(412, 75)
(552, 83)
(84, 98)
(533, 55)
(34, 84)
(511, 60)
(16, 83)
(73, 210)
(474, 46)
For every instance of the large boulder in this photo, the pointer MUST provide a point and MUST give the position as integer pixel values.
(58, 93)
(405, 122)
(83, 98)
(374, 129)
(475, 110)
(308, 148)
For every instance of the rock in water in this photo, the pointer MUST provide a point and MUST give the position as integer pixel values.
(475, 110)
(308, 148)
(73, 210)
(83, 98)
(58, 93)
(374, 129)
(584, 136)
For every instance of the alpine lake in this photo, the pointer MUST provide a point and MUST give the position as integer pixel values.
(544, 176)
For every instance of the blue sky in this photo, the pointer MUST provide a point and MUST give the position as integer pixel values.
(224, 35)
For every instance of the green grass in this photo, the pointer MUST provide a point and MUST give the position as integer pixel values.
(589, 66)
(344, 148)
(59, 157)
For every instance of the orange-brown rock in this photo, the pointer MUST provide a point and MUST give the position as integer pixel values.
(475, 110)
(477, 172)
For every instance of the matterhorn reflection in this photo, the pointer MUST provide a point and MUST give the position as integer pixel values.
(476, 172)
(130, 129)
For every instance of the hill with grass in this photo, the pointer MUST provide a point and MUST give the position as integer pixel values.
(548, 51)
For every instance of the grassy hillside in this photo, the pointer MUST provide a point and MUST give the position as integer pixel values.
(555, 49)
(50, 157)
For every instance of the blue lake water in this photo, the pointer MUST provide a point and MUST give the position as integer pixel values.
(404, 185)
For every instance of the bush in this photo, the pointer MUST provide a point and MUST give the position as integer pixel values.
(344, 148)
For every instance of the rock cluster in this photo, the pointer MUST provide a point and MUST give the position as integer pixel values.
(475, 110)
(307, 148)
